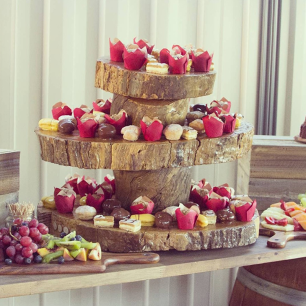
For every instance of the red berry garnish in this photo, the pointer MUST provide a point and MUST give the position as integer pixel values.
(27, 252)
(6, 240)
(25, 241)
(19, 258)
(34, 247)
(34, 232)
(10, 251)
(24, 231)
(33, 223)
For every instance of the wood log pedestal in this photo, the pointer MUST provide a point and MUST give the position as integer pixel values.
(165, 187)
(167, 111)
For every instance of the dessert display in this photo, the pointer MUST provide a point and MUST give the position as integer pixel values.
(302, 136)
(150, 136)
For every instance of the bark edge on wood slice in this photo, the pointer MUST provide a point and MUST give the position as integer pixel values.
(113, 77)
(167, 111)
(153, 239)
(119, 154)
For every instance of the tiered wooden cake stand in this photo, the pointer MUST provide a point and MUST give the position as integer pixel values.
(160, 170)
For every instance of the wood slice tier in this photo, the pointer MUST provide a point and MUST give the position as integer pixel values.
(167, 111)
(113, 77)
(165, 187)
(93, 153)
(153, 239)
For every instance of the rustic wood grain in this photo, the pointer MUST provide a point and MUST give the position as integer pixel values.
(9, 171)
(93, 153)
(171, 264)
(167, 111)
(153, 239)
(113, 77)
(280, 158)
(165, 187)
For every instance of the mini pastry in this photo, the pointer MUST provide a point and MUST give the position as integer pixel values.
(104, 221)
(48, 124)
(60, 109)
(197, 125)
(102, 106)
(142, 205)
(151, 59)
(155, 53)
(66, 126)
(48, 202)
(85, 212)
(191, 116)
(185, 217)
(212, 67)
(70, 117)
(173, 131)
(210, 215)
(189, 65)
(163, 220)
(225, 215)
(189, 133)
(109, 205)
(130, 225)
(133, 58)
(131, 132)
(199, 108)
(106, 131)
(213, 126)
(120, 214)
(87, 128)
(146, 219)
(144, 43)
(117, 120)
(78, 112)
(159, 68)
(116, 50)
(64, 199)
(171, 211)
(202, 221)
(201, 60)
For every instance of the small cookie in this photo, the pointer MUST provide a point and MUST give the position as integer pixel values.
(173, 131)
(197, 125)
(85, 212)
(131, 132)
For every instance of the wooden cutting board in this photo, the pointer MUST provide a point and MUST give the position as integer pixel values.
(279, 239)
(79, 267)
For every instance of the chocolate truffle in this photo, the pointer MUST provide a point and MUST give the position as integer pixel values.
(120, 214)
(163, 220)
(106, 131)
(225, 215)
(109, 205)
(200, 108)
(66, 126)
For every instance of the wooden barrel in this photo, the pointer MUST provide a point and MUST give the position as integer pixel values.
(273, 284)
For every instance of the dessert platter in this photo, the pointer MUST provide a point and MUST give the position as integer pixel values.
(150, 137)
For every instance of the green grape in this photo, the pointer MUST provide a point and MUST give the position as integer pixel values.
(301, 195)
(303, 202)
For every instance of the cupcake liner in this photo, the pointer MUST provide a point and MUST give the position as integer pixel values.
(178, 66)
(88, 128)
(229, 125)
(216, 204)
(152, 132)
(142, 208)
(164, 56)
(95, 202)
(60, 109)
(246, 212)
(135, 60)
(111, 180)
(118, 124)
(86, 186)
(202, 62)
(185, 221)
(222, 191)
(116, 51)
(64, 200)
(141, 43)
(181, 50)
(104, 109)
(213, 126)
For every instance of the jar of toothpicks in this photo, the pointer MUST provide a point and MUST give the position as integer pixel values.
(23, 211)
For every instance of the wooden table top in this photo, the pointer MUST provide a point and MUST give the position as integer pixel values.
(171, 263)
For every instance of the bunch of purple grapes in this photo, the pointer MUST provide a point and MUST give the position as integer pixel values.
(21, 241)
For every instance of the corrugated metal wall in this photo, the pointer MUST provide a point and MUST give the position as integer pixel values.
(48, 51)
